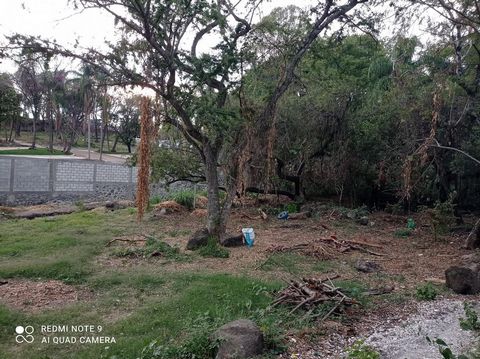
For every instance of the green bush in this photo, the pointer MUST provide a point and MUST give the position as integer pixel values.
(426, 291)
(470, 322)
(441, 216)
(361, 351)
(185, 198)
(155, 200)
(292, 207)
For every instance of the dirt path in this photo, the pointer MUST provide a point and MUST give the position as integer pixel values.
(437, 319)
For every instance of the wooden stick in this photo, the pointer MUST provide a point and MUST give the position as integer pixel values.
(125, 240)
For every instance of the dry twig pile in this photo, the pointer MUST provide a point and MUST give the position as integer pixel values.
(309, 293)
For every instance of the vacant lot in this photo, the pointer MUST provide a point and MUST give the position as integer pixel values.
(63, 271)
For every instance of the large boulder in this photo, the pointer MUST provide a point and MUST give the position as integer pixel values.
(199, 239)
(465, 277)
(239, 339)
(463, 280)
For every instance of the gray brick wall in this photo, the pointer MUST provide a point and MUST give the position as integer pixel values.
(75, 171)
(37, 180)
(5, 167)
(134, 174)
(112, 173)
(31, 175)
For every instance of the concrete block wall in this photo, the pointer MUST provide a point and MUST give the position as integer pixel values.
(37, 180)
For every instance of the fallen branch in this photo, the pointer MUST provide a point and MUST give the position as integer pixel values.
(306, 249)
(126, 239)
(346, 245)
(379, 291)
(309, 293)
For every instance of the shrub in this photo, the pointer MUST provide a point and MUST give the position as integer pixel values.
(292, 207)
(470, 322)
(426, 291)
(441, 216)
(185, 198)
(155, 200)
(361, 351)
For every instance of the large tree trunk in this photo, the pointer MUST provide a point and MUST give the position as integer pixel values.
(34, 129)
(12, 124)
(50, 125)
(214, 217)
(114, 147)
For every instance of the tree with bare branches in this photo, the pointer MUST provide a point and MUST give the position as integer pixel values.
(164, 49)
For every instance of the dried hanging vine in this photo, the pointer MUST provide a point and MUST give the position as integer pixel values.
(421, 153)
(144, 152)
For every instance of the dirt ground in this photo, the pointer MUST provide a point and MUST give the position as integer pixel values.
(35, 296)
(405, 263)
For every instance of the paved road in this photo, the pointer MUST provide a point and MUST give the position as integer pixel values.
(82, 153)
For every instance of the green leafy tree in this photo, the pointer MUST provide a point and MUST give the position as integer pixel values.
(9, 105)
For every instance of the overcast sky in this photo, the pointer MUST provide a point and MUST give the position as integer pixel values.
(56, 19)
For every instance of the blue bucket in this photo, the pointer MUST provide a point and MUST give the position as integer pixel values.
(249, 236)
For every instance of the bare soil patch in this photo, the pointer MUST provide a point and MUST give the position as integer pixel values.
(34, 296)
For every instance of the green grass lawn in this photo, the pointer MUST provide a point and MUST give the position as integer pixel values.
(138, 304)
(29, 151)
(42, 139)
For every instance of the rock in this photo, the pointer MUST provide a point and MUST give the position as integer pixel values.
(114, 205)
(463, 280)
(233, 241)
(366, 266)
(160, 212)
(239, 339)
(363, 221)
(199, 239)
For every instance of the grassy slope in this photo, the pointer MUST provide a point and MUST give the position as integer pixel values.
(42, 140)
(28, 151)
(136, 304)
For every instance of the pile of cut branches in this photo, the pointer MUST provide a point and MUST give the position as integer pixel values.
(309, 293)
(322, 248)
(344, 245)
(315, 250)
